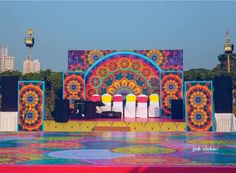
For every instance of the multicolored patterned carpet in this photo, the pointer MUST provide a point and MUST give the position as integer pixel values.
(122, 149)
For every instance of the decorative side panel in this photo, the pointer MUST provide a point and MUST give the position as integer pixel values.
(171, 89)
(73, 87)
(199, 106)
(30, 105)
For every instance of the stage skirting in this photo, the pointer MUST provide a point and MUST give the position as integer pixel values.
(8, 121)
(123, 152)
(132, 125)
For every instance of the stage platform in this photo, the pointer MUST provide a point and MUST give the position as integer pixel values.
(123, 124)
(129, 152)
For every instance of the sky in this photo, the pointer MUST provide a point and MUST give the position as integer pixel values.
(197, 27)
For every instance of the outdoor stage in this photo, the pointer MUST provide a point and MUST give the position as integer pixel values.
(128, 152)
(119, 124)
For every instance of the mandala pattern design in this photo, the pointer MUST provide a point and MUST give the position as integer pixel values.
(73, 87)
(156, 56)
(199, 106)
(94, 55)
(124, 87)
(81, 60)
(30, 105)
(171, 89)
(123, 74)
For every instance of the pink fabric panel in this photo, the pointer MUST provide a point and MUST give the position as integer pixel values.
(95, 98)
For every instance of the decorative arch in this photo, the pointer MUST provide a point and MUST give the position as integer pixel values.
(123, 73)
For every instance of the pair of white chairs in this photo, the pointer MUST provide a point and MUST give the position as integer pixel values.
(142, 110)
(130, 110)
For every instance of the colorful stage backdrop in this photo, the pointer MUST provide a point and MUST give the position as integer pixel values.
(123, 72)
(30, 105)
(199, 106)
(171, 89)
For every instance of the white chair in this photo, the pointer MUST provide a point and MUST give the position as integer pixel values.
(130, 107)
(117, 103)
(154, 106)
(106, 99)
(142, 106)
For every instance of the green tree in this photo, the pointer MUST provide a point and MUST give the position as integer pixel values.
(224, 63)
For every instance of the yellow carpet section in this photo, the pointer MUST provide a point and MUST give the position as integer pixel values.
(89, 126)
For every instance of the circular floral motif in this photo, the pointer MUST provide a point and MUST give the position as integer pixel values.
(135, 66)
(73, 87)
(102, 72)
(156, 56)
(124, 63)
(172, 83)
(112, 66)
(146, 72)
(171, 87)
(30, 118)
(94, 55)
(199, 119)
(31, 96)
(198, 99)
(95, 81)
(143, 150)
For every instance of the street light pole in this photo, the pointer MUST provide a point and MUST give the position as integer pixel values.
(228, 48)
(228, 61)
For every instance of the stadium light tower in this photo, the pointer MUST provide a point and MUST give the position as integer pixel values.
(228, 49)
(29, 41)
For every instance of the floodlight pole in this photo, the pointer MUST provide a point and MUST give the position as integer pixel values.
(228, 49)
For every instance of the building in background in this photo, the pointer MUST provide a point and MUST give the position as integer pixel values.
(31, 66)
(7, 63)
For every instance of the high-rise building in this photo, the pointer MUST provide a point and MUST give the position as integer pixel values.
(7, 63)
(31, 66)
